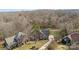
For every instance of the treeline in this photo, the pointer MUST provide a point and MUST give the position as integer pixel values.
(12, 22)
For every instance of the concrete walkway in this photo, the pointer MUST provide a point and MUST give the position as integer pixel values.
(45, 46)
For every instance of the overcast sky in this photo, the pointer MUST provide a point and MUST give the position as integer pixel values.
(17, 5)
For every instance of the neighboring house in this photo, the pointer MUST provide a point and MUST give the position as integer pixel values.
(19, 37)
(44, 33)
(72, 38)
(14, 41)
(9, 42)
(40, 34)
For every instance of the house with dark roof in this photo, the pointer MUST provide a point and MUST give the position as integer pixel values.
(14, 41)
(72, 38)
(40, 34)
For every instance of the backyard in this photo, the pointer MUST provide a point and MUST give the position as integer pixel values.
(30, 44)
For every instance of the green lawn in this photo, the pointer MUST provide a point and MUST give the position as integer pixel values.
(30, 44)
(55, 32)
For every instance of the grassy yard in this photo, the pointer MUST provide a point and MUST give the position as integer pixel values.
(55, 32)
(30, 44)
